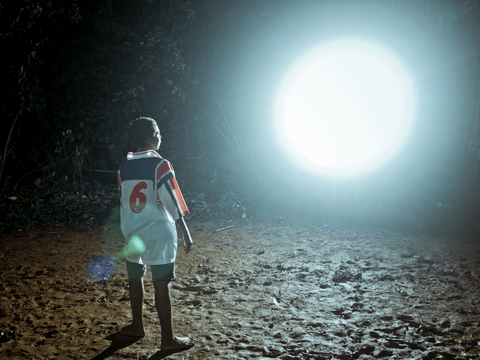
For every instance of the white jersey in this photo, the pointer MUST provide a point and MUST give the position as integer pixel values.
(151, 202)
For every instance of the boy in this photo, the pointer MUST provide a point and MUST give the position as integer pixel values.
(152, 206)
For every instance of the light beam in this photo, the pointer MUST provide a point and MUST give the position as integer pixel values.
(345, 108)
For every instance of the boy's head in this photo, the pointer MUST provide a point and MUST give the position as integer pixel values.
(144, 134)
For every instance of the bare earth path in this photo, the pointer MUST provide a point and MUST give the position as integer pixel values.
(259, 289)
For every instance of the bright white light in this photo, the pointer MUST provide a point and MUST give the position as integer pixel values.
(345, 108)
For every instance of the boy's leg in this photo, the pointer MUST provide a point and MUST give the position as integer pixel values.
(136, 290)
(137, 294)
(162, 274)
(163, 304)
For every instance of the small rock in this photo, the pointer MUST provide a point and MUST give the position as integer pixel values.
(194, 302)
(273, 352)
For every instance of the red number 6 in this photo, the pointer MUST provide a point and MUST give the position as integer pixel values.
(137, 195)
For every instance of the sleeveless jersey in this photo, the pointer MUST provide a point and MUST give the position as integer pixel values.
(150, 202)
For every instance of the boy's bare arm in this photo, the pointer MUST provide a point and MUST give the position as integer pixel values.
(186, 234)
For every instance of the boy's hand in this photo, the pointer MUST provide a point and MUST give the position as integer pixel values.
(187, 241)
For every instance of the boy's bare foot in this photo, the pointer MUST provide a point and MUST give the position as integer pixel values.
(131, 331)
(178, 343)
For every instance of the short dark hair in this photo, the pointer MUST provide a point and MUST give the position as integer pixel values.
(140, 130)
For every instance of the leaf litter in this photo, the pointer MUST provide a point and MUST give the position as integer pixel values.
(259, 289)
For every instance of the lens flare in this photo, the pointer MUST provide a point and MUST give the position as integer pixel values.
(102, 267)
(135, 246)
(105, 266)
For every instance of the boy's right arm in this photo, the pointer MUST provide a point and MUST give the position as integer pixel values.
(187, 238)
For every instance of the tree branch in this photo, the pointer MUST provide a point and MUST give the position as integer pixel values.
(6, 148)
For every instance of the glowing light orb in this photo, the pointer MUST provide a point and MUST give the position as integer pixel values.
(345, 108)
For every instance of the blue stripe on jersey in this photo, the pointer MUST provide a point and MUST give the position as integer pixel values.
(164, 179)
(139, 169)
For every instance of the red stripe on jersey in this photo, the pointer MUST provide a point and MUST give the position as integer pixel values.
(178, 194)
(163, 168)
(146, 152)
(118, 181)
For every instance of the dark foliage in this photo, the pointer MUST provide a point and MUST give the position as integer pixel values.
(77, 74)
(83, 73)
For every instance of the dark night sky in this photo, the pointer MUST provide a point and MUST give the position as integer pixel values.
(239, 52)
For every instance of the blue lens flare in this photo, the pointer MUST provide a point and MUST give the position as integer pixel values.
(101, 268)
(105, 266)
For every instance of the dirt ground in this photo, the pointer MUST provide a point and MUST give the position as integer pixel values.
(258, 289)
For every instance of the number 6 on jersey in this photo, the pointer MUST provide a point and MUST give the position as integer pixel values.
(136, 195)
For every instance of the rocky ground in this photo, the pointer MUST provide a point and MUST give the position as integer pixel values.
(257, 289)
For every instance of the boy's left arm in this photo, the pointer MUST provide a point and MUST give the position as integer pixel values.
(165, 171)
(187, 238)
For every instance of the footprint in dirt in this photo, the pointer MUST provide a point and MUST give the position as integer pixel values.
(344, 276)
